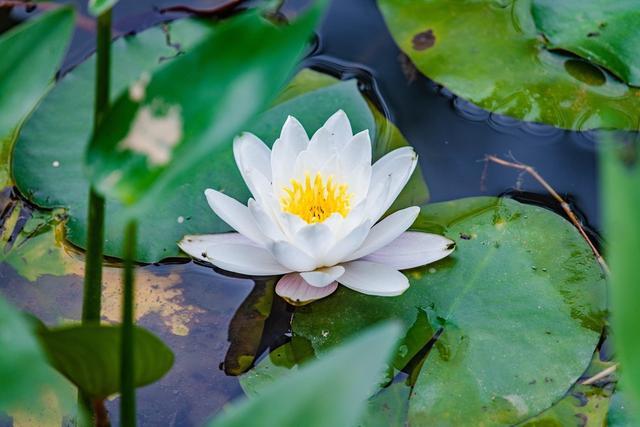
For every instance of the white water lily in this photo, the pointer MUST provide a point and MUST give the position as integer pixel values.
(315, 215)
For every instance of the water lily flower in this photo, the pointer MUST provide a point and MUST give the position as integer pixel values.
(315, 215)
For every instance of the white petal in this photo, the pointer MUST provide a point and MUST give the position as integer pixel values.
(292, 257)
(399, 165)
(373, 279)
(316, 156)
(252, 156)
(265, 222)
(244, 259)
(412, 249)
(314, 239)
(196, 245)
(323, 276)
(347, 245)
(235, 214)
(355, 165)
(296, 291)
(293, 140)
(387, 231)
(339, 128)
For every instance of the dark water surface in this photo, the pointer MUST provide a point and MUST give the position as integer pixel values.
(191, 307)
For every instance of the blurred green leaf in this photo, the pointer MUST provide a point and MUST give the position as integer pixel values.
(622, 412)
(165, 124)
(98, 7)
(31, 53)
(621, 205)
(516, 313)
(606, 32)
(25, 372)
(489, 52)
(320, 394)
(89, 356)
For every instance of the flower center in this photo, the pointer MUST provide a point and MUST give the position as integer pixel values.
(316, 200)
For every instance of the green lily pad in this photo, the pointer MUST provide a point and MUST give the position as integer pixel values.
(48, 156)
(489, 52)
(516, 311)
(606, 32)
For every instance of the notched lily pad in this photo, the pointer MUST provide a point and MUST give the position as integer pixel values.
(606, 32)
(48, 156)
(509, 321)
(490, 53)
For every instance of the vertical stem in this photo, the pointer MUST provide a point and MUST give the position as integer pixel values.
(127, 387)
(92, 293)
(91, 303)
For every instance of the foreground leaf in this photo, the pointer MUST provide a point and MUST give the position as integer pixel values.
(89, 356)
(516, 311)
(31, 54)
(320, 394)
(24, 369)
(165, 125)
(504, 66)
(621, 201)
(48, 139)
(606, 32)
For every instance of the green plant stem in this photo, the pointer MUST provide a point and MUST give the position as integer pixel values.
(92, 294)
(127, 387)
(95, 215)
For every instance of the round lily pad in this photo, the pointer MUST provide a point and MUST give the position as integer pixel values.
(490, 53)
(499, 330)
(49, 153)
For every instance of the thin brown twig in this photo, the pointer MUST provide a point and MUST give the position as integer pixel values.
(600, 375)
(565, 206)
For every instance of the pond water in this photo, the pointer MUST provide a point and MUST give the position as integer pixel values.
(211, 320)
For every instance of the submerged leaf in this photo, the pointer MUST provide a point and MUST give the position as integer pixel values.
(514, 314)
(89, 356)
(606, 32)
(490, 53)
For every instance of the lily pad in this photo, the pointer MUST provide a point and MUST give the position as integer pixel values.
(606, 32)
(48, 156)
(508, 322)
(490, 53)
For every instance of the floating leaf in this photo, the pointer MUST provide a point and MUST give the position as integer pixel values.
(89, 356)
(30, 56)
(47, 162)
(583, 406)
(517, 311)
(320, 393)
(606, 32)
(490, 53)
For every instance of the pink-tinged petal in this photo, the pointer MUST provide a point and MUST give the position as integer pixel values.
(412, 249)
(196, 245)
(244, 259)
(323, 276)
(235, 214)
(296, 291)
(373, 279)
(293, 257)
(386, 231)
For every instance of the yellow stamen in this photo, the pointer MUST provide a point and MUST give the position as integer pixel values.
(314, 201)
